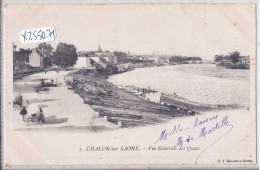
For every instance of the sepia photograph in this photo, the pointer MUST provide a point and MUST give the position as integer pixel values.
(129, 85)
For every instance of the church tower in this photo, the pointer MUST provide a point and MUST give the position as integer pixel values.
(99, 48)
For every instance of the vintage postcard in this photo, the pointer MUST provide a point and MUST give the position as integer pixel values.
(129, 85)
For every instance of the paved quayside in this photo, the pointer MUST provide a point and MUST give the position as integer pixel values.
(63, 108)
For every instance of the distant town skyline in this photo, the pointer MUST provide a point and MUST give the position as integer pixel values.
(100, 47)
(188, 30)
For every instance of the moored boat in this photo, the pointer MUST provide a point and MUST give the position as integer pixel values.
(175, 100)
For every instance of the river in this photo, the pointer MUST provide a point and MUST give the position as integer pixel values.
(203, 83)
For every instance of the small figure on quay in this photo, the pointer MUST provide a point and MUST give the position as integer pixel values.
(21, 76)
(56, 81)
(23, 112)
(42, 82)
(41, 117)
(188, 112)
(28, 103)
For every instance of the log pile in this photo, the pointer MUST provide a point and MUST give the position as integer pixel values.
(119, 104)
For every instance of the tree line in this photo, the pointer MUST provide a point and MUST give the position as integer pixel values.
(182, 59)
(233, 57)
(65, 55)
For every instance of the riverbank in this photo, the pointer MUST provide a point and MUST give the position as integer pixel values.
(121, 105)
(233, 66)
(120, 97)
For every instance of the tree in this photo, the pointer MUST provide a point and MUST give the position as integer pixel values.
(21, 56)
(196, 58)
(45, 49)
(234, 56)
(19, 59)
(218, 58)
(65, 55)
(121, 56)
(46, 62)
(176, 59)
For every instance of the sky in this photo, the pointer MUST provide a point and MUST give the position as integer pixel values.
(201, 30)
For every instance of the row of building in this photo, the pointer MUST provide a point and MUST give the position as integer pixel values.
(87, 58)
(22, 65)
(95, 59)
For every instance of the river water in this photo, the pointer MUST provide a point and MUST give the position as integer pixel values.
(203, 83)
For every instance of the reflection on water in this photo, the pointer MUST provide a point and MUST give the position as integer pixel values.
(203, 83)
